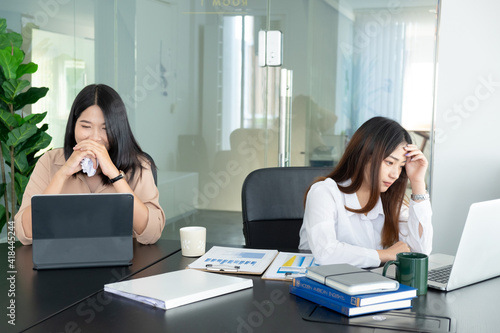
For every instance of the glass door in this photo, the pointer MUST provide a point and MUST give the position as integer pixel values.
(204, 105)
(346, 62)
(233, 113)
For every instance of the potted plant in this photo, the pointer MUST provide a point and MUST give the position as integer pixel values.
(20, 137)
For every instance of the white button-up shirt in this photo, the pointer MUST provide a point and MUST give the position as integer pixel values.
(336, 235)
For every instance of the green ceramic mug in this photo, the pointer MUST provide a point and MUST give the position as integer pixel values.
(411, 270)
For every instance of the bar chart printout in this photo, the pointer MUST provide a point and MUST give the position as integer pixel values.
(238, 260)
(288, 265)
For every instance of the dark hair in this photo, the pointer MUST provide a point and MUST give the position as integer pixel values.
(123, 150)
(374, 141)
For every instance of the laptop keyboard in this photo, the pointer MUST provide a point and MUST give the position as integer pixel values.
(440, 275)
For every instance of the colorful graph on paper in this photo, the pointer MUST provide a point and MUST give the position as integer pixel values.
(236, 258)
(243, 260)
(296, 263)
(288, 265)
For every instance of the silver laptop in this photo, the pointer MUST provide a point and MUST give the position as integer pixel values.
(82, 230)
(476, 255)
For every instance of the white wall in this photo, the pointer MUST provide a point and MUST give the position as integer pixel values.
(158, 115)
(161, 51)
(466, 164)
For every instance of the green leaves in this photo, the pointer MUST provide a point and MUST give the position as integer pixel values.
(13, 87)
(12, 69)
(21, 182)
(20, 134)
(10, 60)
(35, 118)
(29, 68)
(2, 216)
(42, 141)
(9, 38)
(29, 97)
(25, 139)
(20, 137)
(8, 118)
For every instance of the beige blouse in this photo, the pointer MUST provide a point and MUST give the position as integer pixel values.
(143, 186)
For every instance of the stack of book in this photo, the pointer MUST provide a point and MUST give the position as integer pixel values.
(352, 291)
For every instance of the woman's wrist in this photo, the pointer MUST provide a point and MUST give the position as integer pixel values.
(419, 192)
(383, 255)
(56, 183)
(61, 175)
(115, 173)
(418, 187)
(121, 175)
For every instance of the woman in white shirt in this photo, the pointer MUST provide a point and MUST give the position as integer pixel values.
(357, 214)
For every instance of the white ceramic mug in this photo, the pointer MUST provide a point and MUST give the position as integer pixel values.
(193, 241)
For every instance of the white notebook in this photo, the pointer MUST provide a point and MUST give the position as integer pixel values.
(173, 289)
(350, 279)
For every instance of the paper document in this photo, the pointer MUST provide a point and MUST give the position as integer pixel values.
(289, 265)
(173, 289)
(235, 260)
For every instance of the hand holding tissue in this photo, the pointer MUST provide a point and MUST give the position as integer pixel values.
(88, 166)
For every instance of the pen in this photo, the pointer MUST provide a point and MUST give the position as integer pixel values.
(290, 276)
(222, 268)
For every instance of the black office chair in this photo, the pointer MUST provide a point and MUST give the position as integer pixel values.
(273, 205)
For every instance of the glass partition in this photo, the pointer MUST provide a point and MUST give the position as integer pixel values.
(202, 104)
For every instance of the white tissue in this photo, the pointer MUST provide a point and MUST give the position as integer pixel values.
(88, 166)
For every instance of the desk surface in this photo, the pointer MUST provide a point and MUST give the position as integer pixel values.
(267, 307)
(41, 294)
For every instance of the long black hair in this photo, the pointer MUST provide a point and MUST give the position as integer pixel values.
(376, 139)
(124, 150)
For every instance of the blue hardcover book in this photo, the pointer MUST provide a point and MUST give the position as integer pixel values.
(310, 285)
(346, 309)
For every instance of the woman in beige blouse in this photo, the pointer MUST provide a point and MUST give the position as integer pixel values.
(97, 131)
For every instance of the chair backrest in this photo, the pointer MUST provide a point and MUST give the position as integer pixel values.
(273, 205)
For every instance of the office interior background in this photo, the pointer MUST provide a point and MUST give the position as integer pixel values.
(205, 102)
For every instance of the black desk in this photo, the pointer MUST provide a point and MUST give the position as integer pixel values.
(41, 294)
(267, 307)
